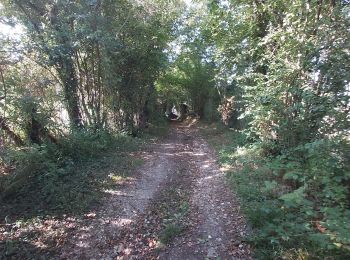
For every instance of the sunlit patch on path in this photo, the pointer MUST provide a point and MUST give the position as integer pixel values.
(143, 220)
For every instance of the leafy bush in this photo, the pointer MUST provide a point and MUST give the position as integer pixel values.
(297, 201)
(62, 177)
(83, 145)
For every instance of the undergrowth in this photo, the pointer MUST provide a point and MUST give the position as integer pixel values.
(297, 201)
(47, 190)
(63, 177)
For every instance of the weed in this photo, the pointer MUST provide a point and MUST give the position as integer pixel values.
(169, 232)
(175, 208)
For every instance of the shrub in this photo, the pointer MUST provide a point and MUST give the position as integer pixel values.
(60, 177)
(296, 200)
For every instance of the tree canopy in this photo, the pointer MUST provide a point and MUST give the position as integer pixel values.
(276, 71)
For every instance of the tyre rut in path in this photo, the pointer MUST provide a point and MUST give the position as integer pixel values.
(94, 239)
(127, 223)
(220, 226)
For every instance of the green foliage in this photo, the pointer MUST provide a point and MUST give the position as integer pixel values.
(117, 65)
(101, 58)
(170, 232)
(80, 74)
(53, 177)
(297, 205)
(190, 75)
(84, 145)
(190, 80)
(284, 59)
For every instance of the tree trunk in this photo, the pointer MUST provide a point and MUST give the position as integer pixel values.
(34, 128)
(70, 87)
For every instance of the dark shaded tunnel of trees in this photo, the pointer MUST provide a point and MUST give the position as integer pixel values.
(79, 79)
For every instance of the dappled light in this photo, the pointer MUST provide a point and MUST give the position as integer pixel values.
(174, 129)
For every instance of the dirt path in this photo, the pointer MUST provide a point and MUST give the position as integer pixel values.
(180, 182)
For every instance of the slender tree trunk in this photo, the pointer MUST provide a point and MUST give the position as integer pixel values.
(66, 70)
(34, 128)
(144, 115)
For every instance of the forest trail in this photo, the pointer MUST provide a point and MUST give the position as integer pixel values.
(179, 183)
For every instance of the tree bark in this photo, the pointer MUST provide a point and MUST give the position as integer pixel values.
(63, 60)
(70, 88)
